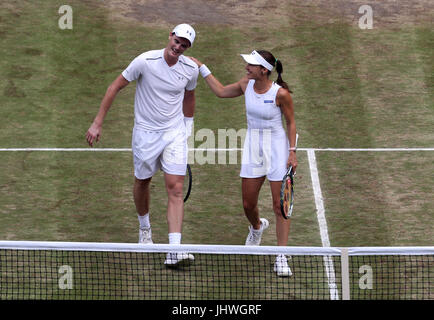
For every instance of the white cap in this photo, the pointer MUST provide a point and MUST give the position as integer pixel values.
(256, 59)
(185, 31)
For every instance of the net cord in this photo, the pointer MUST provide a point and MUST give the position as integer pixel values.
(212, 249)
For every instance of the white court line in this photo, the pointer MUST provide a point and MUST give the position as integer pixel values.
(68, 149)
(370, 149)
(218, 149)
(322, 223)
(318, 199)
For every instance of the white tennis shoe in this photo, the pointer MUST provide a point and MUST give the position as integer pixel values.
(255, 236)
(145, 236)
(281, 266)
(178, 259)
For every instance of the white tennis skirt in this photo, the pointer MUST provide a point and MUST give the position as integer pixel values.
(265, 153)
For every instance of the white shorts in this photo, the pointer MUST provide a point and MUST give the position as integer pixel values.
(265, 153)
(154, 150)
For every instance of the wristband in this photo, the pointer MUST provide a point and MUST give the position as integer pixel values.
(293, 149)
(204, 71)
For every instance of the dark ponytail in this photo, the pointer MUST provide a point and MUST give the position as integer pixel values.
(279, 81)
(279, 69)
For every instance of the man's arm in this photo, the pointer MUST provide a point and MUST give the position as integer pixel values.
(94, 132)
(189, 103)
(188, 107)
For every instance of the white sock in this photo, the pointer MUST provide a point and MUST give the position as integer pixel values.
(144, 221)
(175, 238)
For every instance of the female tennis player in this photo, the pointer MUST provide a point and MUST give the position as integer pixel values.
(267, 151)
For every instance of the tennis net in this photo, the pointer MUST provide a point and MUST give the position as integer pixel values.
(102, 271)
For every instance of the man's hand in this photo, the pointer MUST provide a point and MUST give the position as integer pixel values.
(93, 134)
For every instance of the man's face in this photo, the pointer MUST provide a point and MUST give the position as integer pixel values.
(177, 46)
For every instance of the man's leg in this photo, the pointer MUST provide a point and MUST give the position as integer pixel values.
(175, 205)
(141, 199)
(141, 195)
(175, 215)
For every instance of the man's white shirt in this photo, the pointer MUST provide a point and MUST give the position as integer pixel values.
(160, 89)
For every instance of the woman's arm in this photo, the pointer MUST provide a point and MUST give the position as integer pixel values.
(230, 91)
(284, 101)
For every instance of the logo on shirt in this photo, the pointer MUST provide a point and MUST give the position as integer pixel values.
(268, 101)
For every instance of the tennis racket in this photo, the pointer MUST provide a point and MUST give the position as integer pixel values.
(287, 190)
(187, 184)
(287, 194)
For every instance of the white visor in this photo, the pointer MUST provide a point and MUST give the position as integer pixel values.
(256, 59)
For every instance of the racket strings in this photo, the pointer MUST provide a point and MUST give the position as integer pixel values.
(287, 194)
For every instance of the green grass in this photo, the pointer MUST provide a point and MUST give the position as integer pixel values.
(352, 89)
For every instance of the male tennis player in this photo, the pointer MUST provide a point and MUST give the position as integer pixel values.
(268, 151)
(163, 111)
